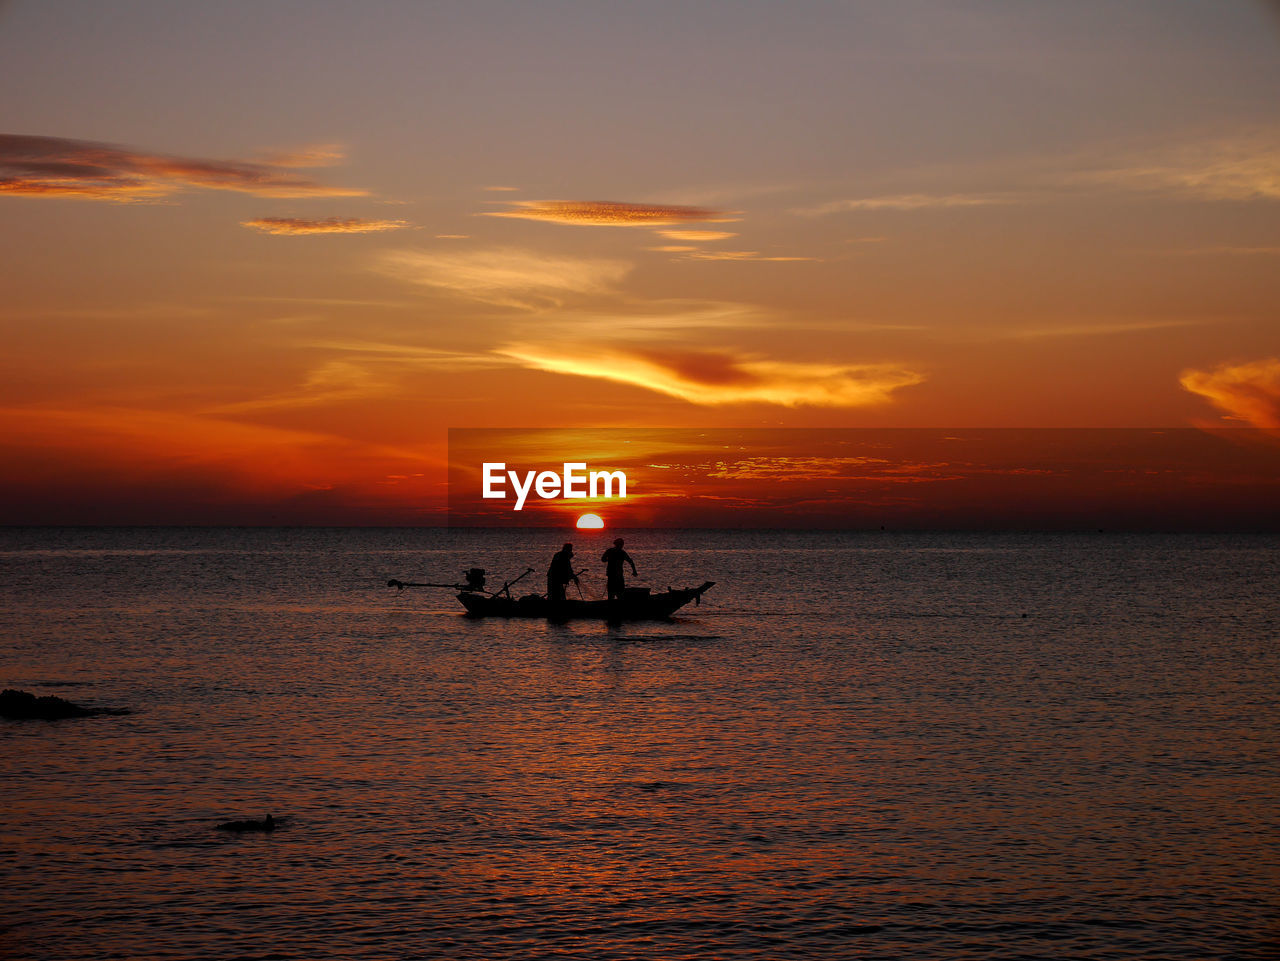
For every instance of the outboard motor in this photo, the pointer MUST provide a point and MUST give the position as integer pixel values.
(475, 579)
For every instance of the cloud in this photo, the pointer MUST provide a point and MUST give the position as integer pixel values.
(408, 356)
(357, 371)
(791, 467)
(754, 255)
(362, 371)
(334, 382)
(698, 235)
(713, 378)
(1221, 250)
(608, 213)
(295, 226)
(1239, 168)
(1248, 392)
(651, 320)
(916, 201)
(506, 277)
(1047, 330)
(311, 155)
(833, 469)
(56, 167)
(326, 301)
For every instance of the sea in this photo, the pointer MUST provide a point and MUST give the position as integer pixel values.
(880, 745)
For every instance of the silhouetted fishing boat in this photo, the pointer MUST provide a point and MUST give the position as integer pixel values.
(636, 604)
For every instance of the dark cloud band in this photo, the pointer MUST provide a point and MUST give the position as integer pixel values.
(296, 226)
(57, 167)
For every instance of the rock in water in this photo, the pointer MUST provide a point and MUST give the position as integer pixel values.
(21, 706)
(267, 824)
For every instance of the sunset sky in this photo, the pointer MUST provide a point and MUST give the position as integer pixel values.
(259, 258)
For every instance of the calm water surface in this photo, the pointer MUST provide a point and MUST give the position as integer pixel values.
(883, 745)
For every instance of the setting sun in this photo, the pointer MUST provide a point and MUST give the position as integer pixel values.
(590, 522)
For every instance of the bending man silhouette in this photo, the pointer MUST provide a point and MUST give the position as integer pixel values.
(614, 558)
(560, 573)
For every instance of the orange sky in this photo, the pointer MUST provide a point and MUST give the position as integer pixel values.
(258, 262)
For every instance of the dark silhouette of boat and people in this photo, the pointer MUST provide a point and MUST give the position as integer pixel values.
(621, 603)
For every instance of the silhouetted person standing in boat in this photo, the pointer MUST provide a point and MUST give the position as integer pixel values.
(615, 557)
(560, 573)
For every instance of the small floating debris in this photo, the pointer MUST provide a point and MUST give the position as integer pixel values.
(637, 638)
(239, 827)
(22, 706)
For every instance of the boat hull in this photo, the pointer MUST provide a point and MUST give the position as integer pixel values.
(649, 607)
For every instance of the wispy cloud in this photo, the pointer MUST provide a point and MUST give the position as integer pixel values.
(1049, 330)
(714, 378)
(325, 301)
(754, 255)
(650, 320)
(835, 469)
(1237, 166)
(1234, 168)
(311, 155)
(296, 226)
(1247, 392)
(791, 467)
(507, 277)
(608, 213)
(56, 167)
(695, 235)
(408, 355)
(911, 201)
(1219, 250)
(356, 371)
(334, 382)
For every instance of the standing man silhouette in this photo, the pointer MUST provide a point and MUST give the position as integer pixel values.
(614, 557)
(560, 573)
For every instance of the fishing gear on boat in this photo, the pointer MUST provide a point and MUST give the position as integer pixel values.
(475, 580)
(401, 585)
(507, 585)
